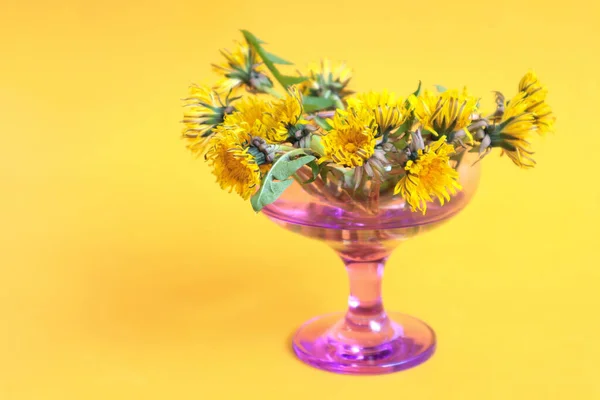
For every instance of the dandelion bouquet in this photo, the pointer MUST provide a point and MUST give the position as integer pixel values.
(314, 128)
(359, 171)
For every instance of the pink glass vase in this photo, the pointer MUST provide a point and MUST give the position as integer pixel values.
(366, 339)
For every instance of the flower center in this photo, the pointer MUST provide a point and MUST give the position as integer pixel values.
(350, 147)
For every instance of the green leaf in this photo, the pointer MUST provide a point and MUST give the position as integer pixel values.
(288, 168)
(316, 145)
(253, 41)
(312, 103)
(440, 88)
(257, 39)
(403, 128)
(322, 122)
(276, 59)
(315, 168)
(402, 143)
(292, 80)
(324, 173)
(278, 178)
(418, 91)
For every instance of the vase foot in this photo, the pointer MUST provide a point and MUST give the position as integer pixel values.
(412, 343)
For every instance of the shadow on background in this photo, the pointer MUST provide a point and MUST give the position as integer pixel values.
(182, 301)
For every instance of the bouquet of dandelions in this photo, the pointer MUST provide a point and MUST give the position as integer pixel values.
(347, 147)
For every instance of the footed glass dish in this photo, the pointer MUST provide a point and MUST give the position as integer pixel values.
(361, 171)
(366, 339)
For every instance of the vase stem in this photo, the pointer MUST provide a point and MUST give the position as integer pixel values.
(365, 306)
(365, 340)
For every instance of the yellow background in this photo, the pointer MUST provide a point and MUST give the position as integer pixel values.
(126, 273)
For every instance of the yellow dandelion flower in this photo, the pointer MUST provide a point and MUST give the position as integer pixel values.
(288, 110)
(327, 80)
(248, 112)
(515, 129)
(530, 83)
(544, 117)
(251, 115)
(535, 103)
(535, 95)
(204, 109)
(389, 111)
(429, 175)
(352, 140)
(233, 165)
(520, 119)
(444, 113)
(242, 67)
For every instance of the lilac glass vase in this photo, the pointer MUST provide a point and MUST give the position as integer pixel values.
(366, 339)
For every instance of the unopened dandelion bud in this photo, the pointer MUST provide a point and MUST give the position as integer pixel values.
(258, 141)
(260, 82)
